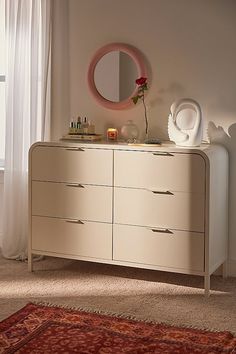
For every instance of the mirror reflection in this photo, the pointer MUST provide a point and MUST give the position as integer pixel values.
(115, 75)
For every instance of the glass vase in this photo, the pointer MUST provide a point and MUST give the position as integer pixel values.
(130, 132)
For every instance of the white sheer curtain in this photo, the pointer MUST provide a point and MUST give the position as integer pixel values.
(28, 42)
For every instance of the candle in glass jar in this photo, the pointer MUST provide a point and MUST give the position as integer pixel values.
(112, 134)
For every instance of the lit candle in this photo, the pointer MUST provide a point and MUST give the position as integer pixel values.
(112, 134)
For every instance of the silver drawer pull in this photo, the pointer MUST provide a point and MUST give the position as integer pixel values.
(77, 185)
(74, 149)
(73, 221)
(163, 231)
(163, 192)
(162, 153)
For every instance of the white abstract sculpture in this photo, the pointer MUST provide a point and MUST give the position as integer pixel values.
(185, 123)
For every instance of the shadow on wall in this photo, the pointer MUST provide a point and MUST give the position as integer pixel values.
(217, 135)
(173, 91)
(157, 107)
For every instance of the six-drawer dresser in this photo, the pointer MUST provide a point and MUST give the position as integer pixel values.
(154, 207)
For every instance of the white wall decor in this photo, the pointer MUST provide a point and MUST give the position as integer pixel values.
(185, 123)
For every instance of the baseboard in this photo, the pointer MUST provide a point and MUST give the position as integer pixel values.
(232, 268)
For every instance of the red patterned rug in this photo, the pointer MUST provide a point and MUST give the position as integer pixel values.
(45, 329)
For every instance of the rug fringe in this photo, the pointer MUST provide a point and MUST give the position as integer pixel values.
(128, 317)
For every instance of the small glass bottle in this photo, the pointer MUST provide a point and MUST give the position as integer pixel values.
(91, 128)
(85, 126)
(79, 128)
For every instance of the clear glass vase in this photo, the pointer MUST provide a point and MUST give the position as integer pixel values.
(130, 132)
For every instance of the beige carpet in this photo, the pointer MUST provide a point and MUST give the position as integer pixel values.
(147, 295)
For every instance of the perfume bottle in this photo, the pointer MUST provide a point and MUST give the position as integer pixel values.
(85, 126)
(73, 128)
(79, 125)
(91, 128)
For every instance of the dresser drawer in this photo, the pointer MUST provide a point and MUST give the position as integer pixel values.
(177, 210)
(67, 164)
(159, 170)
(178, 249)
(90, 239)
(86, 202)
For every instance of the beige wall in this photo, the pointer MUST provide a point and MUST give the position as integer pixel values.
(190, 50)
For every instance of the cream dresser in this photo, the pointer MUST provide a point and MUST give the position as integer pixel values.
(154, 207)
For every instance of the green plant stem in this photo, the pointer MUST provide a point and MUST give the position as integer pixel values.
(145, 114)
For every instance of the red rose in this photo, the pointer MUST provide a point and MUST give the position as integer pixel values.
(141, 81)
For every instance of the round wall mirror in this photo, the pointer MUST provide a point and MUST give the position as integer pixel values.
(112, 74)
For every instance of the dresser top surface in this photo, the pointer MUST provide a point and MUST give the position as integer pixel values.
(203, 149)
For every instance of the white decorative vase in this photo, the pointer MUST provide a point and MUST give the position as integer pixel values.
(185, 123)
(130, 132)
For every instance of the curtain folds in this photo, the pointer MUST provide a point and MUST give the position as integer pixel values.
(28, 58)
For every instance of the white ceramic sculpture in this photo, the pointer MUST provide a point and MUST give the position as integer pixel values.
(185, 123)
